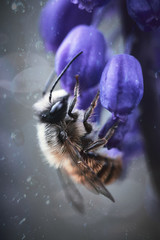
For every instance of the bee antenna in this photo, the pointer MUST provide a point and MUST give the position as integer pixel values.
(61, 74)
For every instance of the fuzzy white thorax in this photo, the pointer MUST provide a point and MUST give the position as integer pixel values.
(54, 154)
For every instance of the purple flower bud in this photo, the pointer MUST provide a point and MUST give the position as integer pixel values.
(121, 85)
(57, 19)
(89, 5)
(84, 100)
(146, 13)
(89, 65)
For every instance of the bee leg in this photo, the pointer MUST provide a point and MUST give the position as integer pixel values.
(111, 131)
(97, 144)
(88, 113)
(103, 141)
(73, 103)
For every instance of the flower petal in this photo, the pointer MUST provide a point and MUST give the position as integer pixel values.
(57, 19)
(121, 85)
(89, 65)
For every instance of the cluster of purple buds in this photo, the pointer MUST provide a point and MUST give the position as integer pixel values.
(68, 27)
(145, 13)
(56, 21)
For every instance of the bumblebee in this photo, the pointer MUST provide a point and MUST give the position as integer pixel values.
(68, 141)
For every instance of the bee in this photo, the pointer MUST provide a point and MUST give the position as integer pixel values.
(68, 140)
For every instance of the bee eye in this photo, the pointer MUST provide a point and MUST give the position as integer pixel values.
(58, 110)
(56, 113)
(56, 107)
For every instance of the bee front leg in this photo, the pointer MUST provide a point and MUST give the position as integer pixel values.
(73, 103)
(103, 141)
(88, 113)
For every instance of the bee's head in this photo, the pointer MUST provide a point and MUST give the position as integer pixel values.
(53, 108)
(55, 111)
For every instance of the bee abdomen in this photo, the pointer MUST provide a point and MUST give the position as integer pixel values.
(107, 169)
(110, 171)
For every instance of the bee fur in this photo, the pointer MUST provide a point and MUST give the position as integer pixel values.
(68, 139)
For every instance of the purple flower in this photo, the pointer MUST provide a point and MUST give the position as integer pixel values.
(89, 5)
(146, 13)
(121, 81)
(57, 19)
(121, 85)
(89, 65)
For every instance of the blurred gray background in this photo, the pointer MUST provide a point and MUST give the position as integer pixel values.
(32, 201)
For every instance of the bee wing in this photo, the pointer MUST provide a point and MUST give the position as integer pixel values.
(92, 180)
(70, 190)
